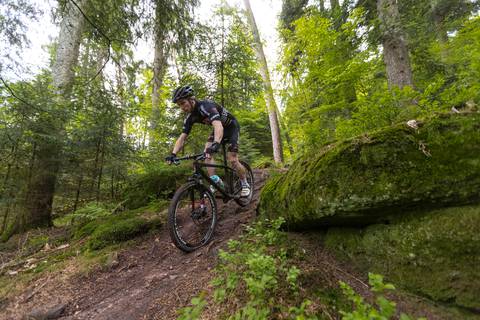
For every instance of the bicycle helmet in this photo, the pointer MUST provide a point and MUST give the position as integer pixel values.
(182, 93)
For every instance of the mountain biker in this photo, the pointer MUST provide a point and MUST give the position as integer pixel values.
(226, 129)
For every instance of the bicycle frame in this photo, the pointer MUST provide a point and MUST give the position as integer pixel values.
(200, 174)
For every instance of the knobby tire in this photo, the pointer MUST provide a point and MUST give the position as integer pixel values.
(191, 196)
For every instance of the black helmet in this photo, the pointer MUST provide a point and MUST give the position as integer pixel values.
(182, 93)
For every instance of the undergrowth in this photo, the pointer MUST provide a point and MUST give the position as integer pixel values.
(383, 309)
(86, 239)
(256, 279)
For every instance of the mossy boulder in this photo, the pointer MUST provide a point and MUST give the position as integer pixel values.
(157, 182)
(114, 229)
(358, 181)
(434, 254)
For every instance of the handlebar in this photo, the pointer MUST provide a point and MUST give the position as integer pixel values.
(196, 157)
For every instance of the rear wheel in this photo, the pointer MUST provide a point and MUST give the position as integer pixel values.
(237, 185)
(192, 216)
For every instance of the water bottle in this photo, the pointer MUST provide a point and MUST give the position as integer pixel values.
(218, 181)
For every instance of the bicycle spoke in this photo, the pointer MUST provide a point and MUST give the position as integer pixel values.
(193, 218)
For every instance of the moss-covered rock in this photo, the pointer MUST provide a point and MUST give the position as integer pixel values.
(436, 254)
(396, 168)
(114, 229)
(156, 183)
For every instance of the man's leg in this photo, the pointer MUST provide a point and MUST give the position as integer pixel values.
(209, 160)
(236, 165)
(241, 172)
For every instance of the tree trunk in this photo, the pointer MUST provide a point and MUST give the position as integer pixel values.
(112, 185)
(159, 69)
(395, 53)
(160, 64)
(322, 5)
(6, 190)
(49, 147)
(77, 195)
(68, 45)
(121, 95)
(100, 172)
(269, 99)
(95, 167)
(284, 128)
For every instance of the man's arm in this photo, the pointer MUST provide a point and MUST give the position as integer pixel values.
(179, 143)
(218, 131)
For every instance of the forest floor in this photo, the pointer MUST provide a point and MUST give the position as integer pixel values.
(152, 279)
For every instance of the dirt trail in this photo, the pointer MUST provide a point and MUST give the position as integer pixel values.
(150, 281)
(153, 279)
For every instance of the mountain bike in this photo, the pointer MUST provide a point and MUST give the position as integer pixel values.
(192, 215)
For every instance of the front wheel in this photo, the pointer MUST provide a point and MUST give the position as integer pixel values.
(192, 216)
(237, 185)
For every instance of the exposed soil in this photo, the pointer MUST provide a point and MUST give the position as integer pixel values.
(153, 279)
(149, 280)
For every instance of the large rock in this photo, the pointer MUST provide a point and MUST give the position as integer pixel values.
(435, 254)
(362, 180)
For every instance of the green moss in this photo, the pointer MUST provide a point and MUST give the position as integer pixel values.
(120, 231)
(436, 254)
(157, 183)
(37, 242)
(115, 229)
(392, 169)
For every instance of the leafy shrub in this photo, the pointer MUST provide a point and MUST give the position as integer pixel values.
(253, 271)
(384, 309)
(194, 311)
(90, 212)
(263, 162)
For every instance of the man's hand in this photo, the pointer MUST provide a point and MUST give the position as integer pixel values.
(171, 158)
(213, 148)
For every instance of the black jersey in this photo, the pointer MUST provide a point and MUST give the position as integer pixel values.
(205, 112)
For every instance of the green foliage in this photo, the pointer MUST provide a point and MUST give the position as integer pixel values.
(384, 309)
(252, 272)
(326, 73)
(193, 312)
(90, 212)
(227, 73)
(335, 73)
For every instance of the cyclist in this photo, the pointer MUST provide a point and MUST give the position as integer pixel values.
(226, 129)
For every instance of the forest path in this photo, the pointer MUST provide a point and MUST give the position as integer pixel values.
(150, 280)
(153, 279)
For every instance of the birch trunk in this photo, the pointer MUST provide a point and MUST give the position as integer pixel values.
(159, 69)
(395, 53)
(159, 64)
(42, 187)
(269, 99)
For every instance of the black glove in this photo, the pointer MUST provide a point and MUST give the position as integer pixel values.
(213, 148)
(171, 158)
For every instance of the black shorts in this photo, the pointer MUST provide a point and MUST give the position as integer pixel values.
(231, 135)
